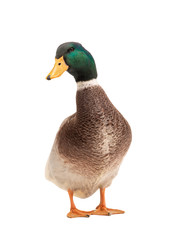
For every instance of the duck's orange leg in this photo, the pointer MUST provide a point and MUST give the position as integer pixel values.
(101, 209)
(74, 212)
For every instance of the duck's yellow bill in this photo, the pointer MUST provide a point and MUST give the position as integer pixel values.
(59, 68)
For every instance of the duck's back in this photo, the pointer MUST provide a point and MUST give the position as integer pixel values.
(95, 139)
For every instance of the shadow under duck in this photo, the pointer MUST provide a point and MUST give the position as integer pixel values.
(90, 144)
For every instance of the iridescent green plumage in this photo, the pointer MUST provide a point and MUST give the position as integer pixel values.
(80, 61)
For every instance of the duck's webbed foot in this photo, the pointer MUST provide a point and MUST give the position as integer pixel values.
(101, 209)
(74, 212)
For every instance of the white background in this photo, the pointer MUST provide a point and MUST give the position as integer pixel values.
(137, 49)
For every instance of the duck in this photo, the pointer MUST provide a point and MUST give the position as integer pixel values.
(90, 144)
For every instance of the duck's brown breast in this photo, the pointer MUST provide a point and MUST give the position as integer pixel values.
(96, 137)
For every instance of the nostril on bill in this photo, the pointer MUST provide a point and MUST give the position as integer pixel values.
(48, 78)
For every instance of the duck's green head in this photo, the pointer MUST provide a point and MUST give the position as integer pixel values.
(74, 58)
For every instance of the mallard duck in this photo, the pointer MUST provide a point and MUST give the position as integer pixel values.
(90, 144)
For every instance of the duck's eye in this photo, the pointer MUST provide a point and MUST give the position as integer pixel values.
(70, 50)
(59, 63)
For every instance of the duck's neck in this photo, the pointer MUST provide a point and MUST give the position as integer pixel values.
(87, 84)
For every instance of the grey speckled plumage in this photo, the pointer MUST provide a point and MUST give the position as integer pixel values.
(89, 145)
